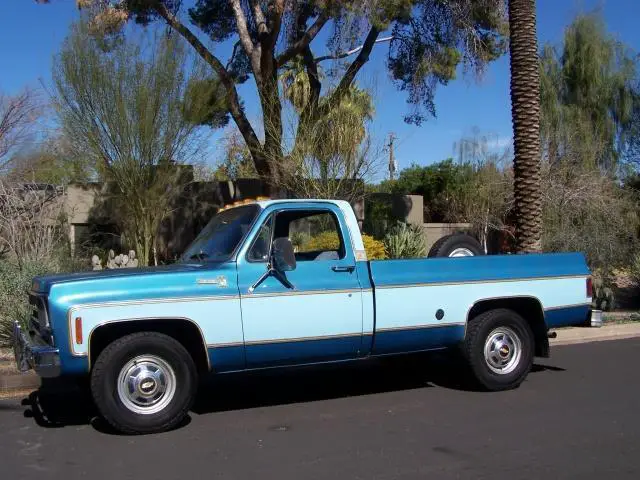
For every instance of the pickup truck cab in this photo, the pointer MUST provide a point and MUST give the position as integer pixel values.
(242, 297)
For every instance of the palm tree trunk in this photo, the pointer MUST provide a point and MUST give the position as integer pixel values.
(525, 113)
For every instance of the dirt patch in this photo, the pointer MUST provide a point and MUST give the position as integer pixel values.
(6, 354)
(20, 393)
(7, 368)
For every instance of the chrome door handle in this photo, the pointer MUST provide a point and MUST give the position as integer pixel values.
(343, 268)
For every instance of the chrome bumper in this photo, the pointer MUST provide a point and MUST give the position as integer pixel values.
(31, 352)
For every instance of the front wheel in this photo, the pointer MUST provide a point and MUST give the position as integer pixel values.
(499, 349)
(144, 383)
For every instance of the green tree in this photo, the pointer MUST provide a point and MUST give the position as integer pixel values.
(436, 183)
(428, 41)
(525, 115)
(589, 87)
(124, 108)
(237, 162)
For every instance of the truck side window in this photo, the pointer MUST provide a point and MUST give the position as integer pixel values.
(315, 234)
(259, 251)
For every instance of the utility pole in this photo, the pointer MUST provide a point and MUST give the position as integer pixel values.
(393, 166)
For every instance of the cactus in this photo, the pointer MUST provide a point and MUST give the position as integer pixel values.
(405, 241)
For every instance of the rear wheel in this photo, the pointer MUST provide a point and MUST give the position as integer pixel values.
(499, 349)
(144, 383)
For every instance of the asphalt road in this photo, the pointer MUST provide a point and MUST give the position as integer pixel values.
(576, 416)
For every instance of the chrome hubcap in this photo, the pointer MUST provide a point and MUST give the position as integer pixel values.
(461, 252)
(146, 384)
(502, 350)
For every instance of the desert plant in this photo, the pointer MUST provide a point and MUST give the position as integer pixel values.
(298, 239)
(603, 296)
(405, 241)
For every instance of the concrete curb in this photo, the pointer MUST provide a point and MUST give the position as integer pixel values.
(18, 381)
(574, 335)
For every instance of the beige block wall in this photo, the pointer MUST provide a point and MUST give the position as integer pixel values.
(79, 200)
(434, 231)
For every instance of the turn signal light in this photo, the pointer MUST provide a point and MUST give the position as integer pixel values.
(589, 287)
(79, 330)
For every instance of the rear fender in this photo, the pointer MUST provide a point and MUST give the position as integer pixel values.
(528, 307)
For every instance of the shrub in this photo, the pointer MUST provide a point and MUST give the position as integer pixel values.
(405, 241)
(634, 270)
(14, 283)
(329, 241)
(585, 211)
(374, 248)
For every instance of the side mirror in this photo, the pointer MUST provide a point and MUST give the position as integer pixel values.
(284, 258)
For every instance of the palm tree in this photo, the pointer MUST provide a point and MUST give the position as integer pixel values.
(338, 131)
(525, 114)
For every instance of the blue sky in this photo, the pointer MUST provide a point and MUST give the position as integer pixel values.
(31, 34)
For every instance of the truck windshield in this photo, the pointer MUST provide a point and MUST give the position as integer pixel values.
(222, 235)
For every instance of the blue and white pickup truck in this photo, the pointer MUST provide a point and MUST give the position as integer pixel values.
(242, 297)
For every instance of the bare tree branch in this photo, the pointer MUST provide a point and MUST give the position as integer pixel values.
(245, 36)
(258, 15)
(275, 23)
(236, 110)
(304, 40)
(29, 221)
(18, 115)
(356, 65)
(348, 53)
(233, 55)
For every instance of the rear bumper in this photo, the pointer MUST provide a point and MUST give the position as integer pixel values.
(595, 318)
(31, 352)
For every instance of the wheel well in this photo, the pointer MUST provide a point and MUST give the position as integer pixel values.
(528, 308)
(184, 331)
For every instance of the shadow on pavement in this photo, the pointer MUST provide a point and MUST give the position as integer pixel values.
(58, 404)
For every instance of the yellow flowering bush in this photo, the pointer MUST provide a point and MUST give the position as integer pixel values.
(329, 240)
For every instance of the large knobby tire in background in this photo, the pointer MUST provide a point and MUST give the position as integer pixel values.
(456, 245)
(144, 383)
(499, 349)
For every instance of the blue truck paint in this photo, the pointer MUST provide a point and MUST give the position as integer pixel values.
(363, 309)
(389, 273)
(418, 339)
(559, 317)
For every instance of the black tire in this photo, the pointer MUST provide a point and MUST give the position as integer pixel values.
(116, 356)
(446, 245)
(479, 330)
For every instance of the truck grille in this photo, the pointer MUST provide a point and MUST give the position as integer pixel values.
(39, 320)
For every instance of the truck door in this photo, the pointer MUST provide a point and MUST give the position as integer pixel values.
(320, 318)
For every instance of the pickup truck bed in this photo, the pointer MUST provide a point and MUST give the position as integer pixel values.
(421, 304)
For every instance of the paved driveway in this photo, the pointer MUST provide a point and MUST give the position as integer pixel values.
(577, 416)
